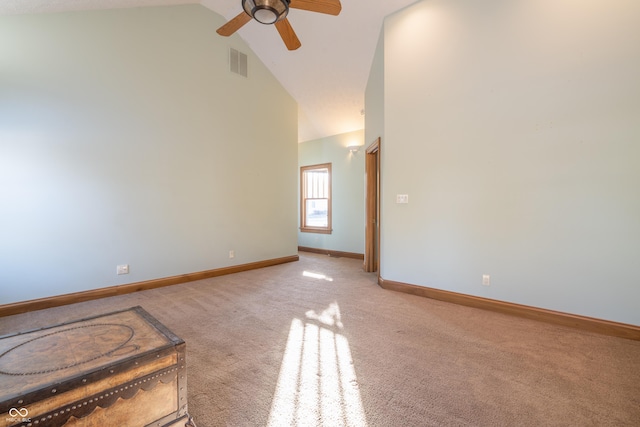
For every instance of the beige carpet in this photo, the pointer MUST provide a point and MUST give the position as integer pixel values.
(318, 343)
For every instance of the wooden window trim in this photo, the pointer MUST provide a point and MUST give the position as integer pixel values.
(309, 229)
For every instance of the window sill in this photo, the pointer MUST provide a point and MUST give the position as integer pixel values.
(316, 230)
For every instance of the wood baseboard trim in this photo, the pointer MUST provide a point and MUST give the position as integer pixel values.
(589, 324)
(72, 298)
(337, 254)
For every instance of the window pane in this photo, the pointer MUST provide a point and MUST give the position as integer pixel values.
(315, 198)
(317, 211)
(317, 183)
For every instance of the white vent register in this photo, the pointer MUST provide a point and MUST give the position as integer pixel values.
(237, 62)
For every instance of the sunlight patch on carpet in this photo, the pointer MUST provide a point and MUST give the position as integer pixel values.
(317, 385)
(317, 276)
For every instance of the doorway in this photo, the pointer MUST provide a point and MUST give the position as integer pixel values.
(372, 208)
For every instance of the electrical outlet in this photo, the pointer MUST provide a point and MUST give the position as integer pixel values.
(486, 280)
(402, 198)
(122, 269)
(232, 254)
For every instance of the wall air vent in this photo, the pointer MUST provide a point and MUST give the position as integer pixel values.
(237, 62)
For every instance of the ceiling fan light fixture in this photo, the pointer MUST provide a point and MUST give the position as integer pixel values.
(266, 11)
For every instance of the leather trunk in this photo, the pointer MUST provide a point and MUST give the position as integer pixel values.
(119, 369)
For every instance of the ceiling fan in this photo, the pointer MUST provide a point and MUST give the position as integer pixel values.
(275, 12)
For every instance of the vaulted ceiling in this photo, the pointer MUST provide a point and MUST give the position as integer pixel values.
(327, 76)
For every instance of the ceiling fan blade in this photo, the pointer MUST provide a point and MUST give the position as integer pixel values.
(289, 36)
(234, 25)
(330, 7)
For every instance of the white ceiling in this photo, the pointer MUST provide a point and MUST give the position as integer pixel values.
(327, 76)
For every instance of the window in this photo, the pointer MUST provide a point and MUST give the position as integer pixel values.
(315, 198)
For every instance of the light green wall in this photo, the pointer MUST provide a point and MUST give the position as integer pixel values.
(347, 191)
(374, 96)
(514, 127)
(124, 139)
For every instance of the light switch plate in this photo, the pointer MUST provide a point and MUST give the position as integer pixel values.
(402, 198)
